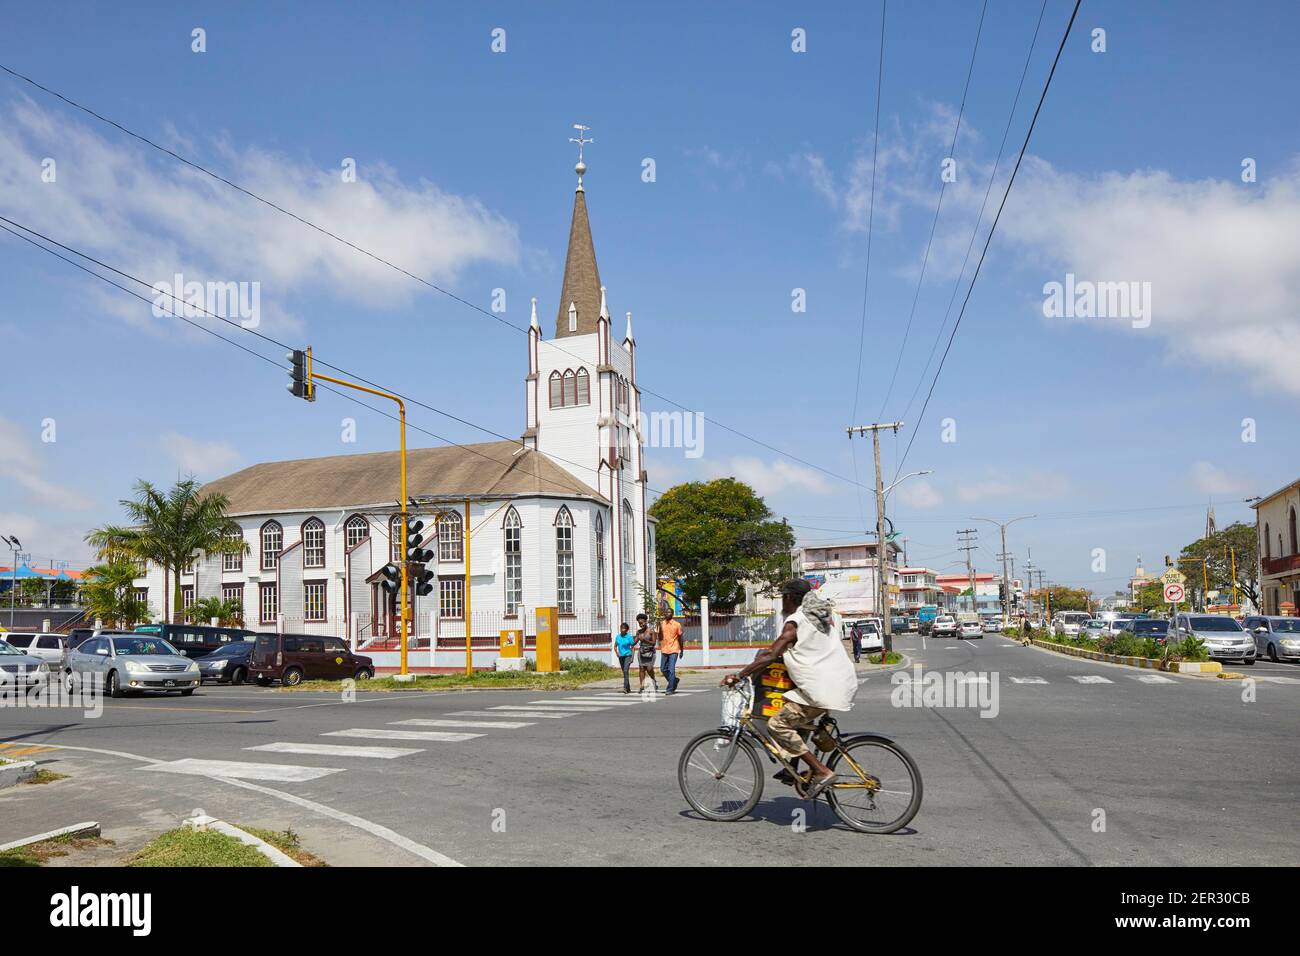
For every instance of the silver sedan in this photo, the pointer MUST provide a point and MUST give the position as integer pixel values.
(1277, 638)
(125, 663)
(18, 669)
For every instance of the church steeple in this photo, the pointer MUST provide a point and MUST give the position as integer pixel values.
(581, 291)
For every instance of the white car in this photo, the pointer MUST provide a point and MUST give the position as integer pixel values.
(945, 625)
(970, 629)
(1069, 622)
(872, 639)
(51, 648)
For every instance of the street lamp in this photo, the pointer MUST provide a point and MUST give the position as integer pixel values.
(914, 474)
(1006, 581)
(16, 546)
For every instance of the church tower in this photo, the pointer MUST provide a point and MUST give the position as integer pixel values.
(583, 408)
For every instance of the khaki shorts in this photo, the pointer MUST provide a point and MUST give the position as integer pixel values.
(785, 724)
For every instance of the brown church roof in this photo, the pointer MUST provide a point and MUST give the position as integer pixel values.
(581, 275)
(481, 470)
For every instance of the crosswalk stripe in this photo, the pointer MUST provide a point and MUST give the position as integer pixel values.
(1028, 680)
(1153, 679)
(382, 734)
(577, 707)
(499, 724)
(1090, 679)
(337, 750)
(1277, 680)
(284, 773)
(511, 712)
(589, 701)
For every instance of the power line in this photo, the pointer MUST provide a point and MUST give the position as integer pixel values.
(392, 265)
(992, 229)
(988, 190)
(943, 186)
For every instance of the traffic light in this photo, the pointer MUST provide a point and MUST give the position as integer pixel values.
(424, 583)
(392, 581)
(300, 384)
(414, 553)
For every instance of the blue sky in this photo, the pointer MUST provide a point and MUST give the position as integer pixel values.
(762, 159)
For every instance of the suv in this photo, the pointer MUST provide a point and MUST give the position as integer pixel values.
(196, 640)
(293, 658)
(51, 648)
(945, 625)
(1278, 638)
(1224, 639)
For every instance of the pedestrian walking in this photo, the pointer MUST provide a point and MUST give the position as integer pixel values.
(645, 652)
(855, 637)
(624, 645)
(670, 649)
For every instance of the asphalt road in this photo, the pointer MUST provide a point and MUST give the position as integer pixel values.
(1180, 770)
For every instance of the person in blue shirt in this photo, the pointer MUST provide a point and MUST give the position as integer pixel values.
(623, 644)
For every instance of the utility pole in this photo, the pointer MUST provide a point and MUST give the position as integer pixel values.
(1006, 579)
(967, 545)
(15, 545)
(882, 546)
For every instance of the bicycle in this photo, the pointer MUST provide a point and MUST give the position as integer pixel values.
(722, 779)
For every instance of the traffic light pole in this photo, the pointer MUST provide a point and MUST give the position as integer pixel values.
(312, 376)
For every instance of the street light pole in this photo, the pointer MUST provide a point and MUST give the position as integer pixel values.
(14, 544)
(1006, 580)
(882, 546)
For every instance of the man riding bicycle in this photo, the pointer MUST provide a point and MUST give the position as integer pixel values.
(812, 649)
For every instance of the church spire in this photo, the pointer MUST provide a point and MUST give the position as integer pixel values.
(581, 289)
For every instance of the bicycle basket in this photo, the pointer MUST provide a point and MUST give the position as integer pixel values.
(735, 704)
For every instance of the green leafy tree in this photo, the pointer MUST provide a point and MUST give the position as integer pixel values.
(171, 528)
(31, 591)
(228, 613)
(718, 535)
(1063, 598)
(1210, 561)
(1151, 597)
(108, 593)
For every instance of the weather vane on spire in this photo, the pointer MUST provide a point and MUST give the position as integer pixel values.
(582, 141)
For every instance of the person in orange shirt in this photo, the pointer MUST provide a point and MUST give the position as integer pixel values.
(670, 649)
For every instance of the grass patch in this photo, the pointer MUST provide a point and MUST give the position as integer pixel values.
(46, 776)
(577, 672)
(38, 854)
(287, 842)
(893, 657)
(188, 847)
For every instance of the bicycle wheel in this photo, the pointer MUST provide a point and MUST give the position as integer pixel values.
(877, 785)
(720, 779)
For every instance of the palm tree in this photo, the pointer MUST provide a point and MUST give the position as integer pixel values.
(228, 613)
(171, 529)
(108, 593)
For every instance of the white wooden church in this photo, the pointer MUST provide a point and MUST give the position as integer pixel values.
(556, 519)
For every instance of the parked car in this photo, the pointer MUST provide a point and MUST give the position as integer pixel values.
(1224, 638)
(293, 658)
(1148, 627)
(1094, 628)
(1277, 638)
(127, 662)
(970, 628)
(1069, 622)
(869, 629)
(228, 664)
(20, 668)
(79, 634)
(992, 625)
(898, 624)
(945, 625)
(49, 647)
(196, 640)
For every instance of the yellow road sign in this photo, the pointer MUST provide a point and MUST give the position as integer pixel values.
(1173, 576)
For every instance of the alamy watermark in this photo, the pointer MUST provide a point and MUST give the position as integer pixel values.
(1085, 299)
(672, 430)
(946, 689)
(193, 300)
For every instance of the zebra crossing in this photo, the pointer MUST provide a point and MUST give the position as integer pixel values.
(452, 728)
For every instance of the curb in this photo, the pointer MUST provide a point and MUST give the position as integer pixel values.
(17, 772)
(204, 822)
(77, 829)
(1177, 667)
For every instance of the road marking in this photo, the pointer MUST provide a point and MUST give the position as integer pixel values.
(1090, 679)
(500, 724)
(1276, 680)
(970, 679)
(1011, 645)
(1028, 680)
(589, 701)
(201, 710)
(283, 773)
(574, 708)
(511, 712)
(381, 734)
(1153, 679)
(337, 750)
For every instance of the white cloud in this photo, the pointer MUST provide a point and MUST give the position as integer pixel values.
(773, 477)
(45, 542)
(22, 463)
(1213, 480)
(202, 459)
(918, 494)
(154, 217)
(1036, 484)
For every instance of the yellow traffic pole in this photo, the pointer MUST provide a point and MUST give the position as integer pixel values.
(1234, 578)
(401, 418)
(469, 649)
